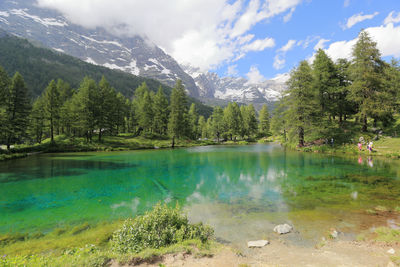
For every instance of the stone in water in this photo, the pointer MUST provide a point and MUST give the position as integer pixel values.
(257, 243)
(283, 228)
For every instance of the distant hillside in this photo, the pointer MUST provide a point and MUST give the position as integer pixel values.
(40, 65)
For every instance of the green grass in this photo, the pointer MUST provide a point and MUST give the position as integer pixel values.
(121, 142)
(92, 245)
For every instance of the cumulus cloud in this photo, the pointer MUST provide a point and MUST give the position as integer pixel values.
(321, 44)
(279, 62)
(259, 45)
(288, 16)
(357, 18)
(254, 75)
(392, 18)
(279, 59)
(232, 70)
(387, 38)
(203, 33)
(288, 46)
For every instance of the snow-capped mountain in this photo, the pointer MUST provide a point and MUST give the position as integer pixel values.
(237, 88)
(134, 55)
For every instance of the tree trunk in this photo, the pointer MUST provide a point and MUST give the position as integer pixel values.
(301, 137)
(365, 124)
(375, 123)
(173, 142)
(51, 130)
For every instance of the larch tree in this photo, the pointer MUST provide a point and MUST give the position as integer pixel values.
(17, 109)
(177, 124)
(52, 106)
(301, 101)
(264, 121)
(193, 120)
(161, 112)
(367, 73)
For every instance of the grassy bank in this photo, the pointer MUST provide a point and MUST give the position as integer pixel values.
(144, 239)
(121, 142)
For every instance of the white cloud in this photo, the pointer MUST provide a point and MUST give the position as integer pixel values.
(288, 16)
(279, 59)
(288, 46)
(387, 38)
(357, 18)
(321, 44)
(254, 75)
(203, 33)
(392, 18)
(305, 43)
(279, 62)
(232, 70)
(346, 3)
(259, 45)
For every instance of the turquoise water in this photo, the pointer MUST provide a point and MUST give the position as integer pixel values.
(241, 190)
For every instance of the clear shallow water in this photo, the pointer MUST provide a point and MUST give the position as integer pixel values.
(243, 191)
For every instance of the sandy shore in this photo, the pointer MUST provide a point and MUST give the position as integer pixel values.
(334, 253)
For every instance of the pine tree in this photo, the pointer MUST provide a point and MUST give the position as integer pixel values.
(161, 112)
(217, 122)
(367, 73)
(202, 126)
(177, 125)
(5, 83)
(106, 98)
(301, 101)
(344, 105)
(263, 127)
(17, 110)
(38, 120)
(233, 120)
(52, 106)
(193, 120)
(279, 119)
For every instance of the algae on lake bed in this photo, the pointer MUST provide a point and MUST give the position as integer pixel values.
(262, 182)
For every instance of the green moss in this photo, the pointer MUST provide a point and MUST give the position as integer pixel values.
(80, 228)
(387, 234)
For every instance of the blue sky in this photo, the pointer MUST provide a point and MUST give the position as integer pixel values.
(258, 39)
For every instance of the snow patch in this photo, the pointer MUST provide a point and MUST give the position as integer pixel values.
(46, 21)
(59, 50)
(4, 14)
(133, 68)
(113, 66)
(91, 61)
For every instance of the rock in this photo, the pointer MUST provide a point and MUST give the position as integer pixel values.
(257, 243)
(283, 228)
(391, 251)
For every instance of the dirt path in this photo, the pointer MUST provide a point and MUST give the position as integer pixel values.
(335, 253)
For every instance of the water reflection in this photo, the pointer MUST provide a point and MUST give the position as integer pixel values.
(240, 190)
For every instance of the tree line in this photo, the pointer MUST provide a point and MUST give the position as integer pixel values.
(97, 109)
(325, 99)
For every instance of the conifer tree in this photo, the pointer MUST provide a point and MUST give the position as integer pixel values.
(217, 122)
(233, 120)
(38, 120)
(4, 90)
(52, 106)
(17, 110)
(177, 125)
(161, 112)
(202, 126)
(263, 127)
(193, 120)
(301, 101)
(106, 100)
(367, 73)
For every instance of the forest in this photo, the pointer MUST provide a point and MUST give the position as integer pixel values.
(97, 109)
(340, 100)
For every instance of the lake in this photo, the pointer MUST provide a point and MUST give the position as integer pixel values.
(242, 191)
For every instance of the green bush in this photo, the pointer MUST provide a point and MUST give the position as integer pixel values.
(157, 228)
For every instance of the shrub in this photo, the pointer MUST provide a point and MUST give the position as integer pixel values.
(157, 228)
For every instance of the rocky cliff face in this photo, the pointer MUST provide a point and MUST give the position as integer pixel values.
(237, 88)
(134, 55)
